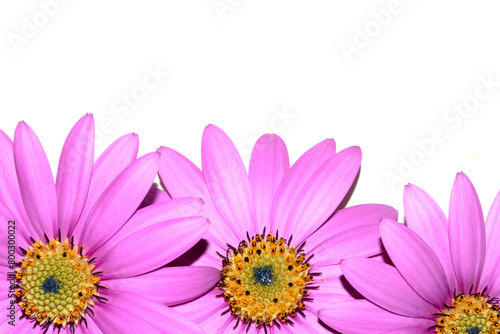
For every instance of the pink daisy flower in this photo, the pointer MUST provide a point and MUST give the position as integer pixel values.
(445, 274)
(74, 252)
(274, 235)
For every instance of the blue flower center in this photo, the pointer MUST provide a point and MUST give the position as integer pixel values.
(264, 275)
(51, 284)
(473, 330)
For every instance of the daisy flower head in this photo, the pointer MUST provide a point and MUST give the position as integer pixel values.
(76, 249)
(274, 236)
(445, 277)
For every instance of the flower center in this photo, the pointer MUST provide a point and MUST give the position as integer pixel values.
(469, 314)
(265, 280)
(55, 284)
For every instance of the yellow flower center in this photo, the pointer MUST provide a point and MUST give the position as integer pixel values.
(265, 280)
(469, 314)
(56, 284)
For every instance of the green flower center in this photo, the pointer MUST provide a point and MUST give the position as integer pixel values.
(56, 284)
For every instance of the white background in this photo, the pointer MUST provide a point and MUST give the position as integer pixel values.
(383, 75)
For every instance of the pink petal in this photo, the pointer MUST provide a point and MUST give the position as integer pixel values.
(10, 195)
(349, 218)
(426, 218)
(131, 313)
(332, 287)
(268, 165)
(91, 327)
(170, 286)
(416, 262)
(359, 241)
(119, 201)
(309, 324)
(154, 196)
(408, 330)
(218, 324)
(73, 173)
(362, 317)
(153, 214)
(295, 179)
(383, 285)
(492, 259)
(182, 178)
(203, 253)
(11, 203)
(108, 166)
(227, 181)
(35, 181)
(204, 307)
(152, 247)
(322, 193)
(467, 233)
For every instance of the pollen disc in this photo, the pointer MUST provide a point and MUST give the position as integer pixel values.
(265, 280)
(56, 284)
(469, 314)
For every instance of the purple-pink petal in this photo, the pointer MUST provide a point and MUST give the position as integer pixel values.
(204, 307)
(363, 317)
(170, 286)
(10, 195)
(154, 196)
(467, 233)
(11, 203)
(383, 285)
(333, 287)
(73, 173)
(119, 201)
(425, 217)
(309, 324)
(156, 213)
(216, 323)
(268, 164)
(131, 313)
(491, 270)
(416, 262)
(295, 179)
(91, 327)
(121, 153)
(227, 180)
(349, 218)
(152, 247)
(408, 330)
(322, 193)
(183, 179)
(35, 181)
(356, 242)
